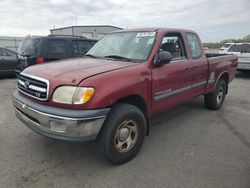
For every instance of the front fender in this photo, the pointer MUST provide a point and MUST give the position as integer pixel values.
(112, 86)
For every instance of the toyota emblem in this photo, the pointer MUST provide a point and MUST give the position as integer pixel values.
(26, 84)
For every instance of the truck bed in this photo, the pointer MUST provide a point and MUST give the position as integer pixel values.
(219, 63)
(209, 55)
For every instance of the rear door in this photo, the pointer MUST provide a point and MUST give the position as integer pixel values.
(8, 61)
(199, 64)
(172, 82)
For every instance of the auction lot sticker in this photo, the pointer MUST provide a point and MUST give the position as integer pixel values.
(145, 34)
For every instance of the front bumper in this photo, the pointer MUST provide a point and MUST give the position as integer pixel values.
(57, 123)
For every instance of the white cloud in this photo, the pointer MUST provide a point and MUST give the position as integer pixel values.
(213, 19)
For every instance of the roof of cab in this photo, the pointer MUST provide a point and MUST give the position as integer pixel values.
(154, 29)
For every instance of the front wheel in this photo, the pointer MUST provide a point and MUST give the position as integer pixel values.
(122, 134)
(215, 100)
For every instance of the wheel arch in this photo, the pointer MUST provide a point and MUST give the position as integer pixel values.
(224, 76)
(139, 102)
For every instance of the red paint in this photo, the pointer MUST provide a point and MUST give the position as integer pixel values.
(40, 60)
(114, 80)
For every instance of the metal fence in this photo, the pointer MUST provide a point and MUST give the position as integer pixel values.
(11, 43)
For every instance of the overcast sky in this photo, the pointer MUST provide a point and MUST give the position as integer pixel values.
(214, 20)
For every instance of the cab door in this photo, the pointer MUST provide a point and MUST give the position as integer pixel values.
(172, 82)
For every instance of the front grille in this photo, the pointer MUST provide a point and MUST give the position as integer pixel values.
(33, 86)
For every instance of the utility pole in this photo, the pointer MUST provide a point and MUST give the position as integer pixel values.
(75, 16)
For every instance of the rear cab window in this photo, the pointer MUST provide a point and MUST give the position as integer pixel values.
(173, 43)
(194, 45)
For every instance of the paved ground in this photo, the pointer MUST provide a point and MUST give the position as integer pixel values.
(188, 146)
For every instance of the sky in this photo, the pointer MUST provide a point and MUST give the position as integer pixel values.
(214, 20)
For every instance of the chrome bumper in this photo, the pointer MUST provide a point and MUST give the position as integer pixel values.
(57, 123)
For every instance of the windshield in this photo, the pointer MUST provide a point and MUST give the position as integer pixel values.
(29, 47)
(135, 46)
(240, 48)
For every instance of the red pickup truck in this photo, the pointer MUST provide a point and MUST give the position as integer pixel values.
(125, 78)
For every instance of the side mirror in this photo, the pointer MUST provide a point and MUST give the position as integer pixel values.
(162, 58)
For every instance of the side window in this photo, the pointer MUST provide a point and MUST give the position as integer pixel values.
(80, 47)
(1, 52)
(75, 47)
(173, 43)
(248, 48)
(8, 53)
(93, 42)
(194, 45)
(57, 47)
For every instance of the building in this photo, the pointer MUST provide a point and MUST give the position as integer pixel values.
(91, 31)
(11, 43)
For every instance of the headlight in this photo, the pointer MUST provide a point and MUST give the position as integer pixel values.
(72, 94)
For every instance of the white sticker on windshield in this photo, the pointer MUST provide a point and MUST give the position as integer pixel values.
(145, 34)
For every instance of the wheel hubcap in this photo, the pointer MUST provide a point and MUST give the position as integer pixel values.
(220, 95)
(126, 136)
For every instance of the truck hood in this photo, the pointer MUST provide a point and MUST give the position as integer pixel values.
(73, 71)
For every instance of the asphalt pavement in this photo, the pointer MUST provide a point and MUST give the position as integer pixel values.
(188, 146)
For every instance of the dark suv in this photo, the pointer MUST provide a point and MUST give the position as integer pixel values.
(34, 50)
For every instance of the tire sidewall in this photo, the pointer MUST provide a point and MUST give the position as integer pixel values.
(220, 84)
(119, 114)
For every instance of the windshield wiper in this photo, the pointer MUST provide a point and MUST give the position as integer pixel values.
(90, 55)
(119, 57)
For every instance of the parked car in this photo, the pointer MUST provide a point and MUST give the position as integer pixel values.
(36, 50)
(8, 62)
(124, 79)
(225, 47)
(242, 50)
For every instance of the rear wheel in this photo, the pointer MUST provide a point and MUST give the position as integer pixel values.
(122, 134)
(215, 100)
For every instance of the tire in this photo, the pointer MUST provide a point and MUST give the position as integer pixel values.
(122, 134)
(215, 100)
